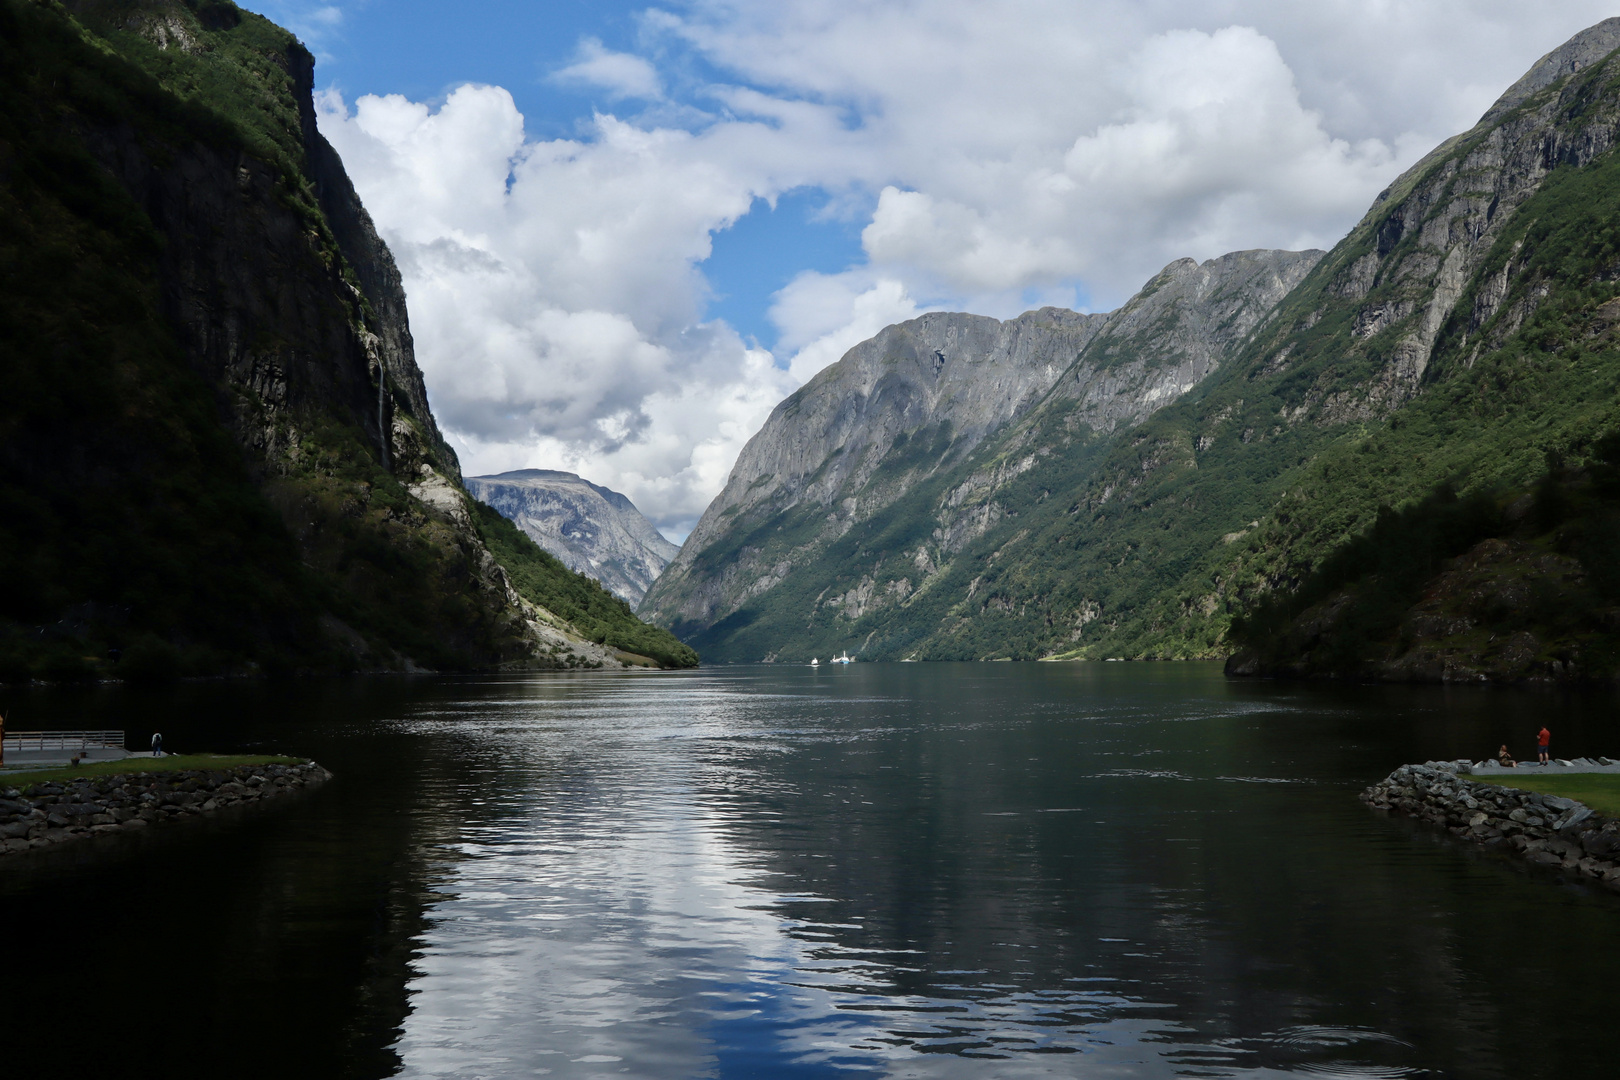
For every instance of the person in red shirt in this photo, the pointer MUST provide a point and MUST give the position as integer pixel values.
(1543, 737)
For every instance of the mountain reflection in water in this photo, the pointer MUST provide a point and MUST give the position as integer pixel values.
(908, 870)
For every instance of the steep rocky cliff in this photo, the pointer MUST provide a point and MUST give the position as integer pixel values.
(590, 528)
(216, 450)
(1456, 335)
(858, 436)
(1461, 333)
(865, 484)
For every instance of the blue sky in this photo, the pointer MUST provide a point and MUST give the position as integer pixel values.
(580, 195)
(423, 50)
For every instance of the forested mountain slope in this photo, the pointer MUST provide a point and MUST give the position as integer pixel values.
(860, 435)
(216, 451)
(1501, 585)
(1456, 334)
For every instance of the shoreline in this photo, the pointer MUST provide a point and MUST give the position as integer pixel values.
(1544, 830)
(264, 676)
(45, 813)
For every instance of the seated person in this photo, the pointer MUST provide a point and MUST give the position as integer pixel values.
(1505, 759)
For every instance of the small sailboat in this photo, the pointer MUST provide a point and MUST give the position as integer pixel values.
(843, 658)
(814, 662)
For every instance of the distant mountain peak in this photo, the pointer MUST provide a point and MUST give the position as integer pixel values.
(590, 528)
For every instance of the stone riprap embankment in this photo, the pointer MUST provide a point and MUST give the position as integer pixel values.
(45, 814)
(1545, 829)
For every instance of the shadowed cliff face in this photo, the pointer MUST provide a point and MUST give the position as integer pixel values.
(217, 448)
(304, 310)
(906, 438)
(593, 530)
(374, 267)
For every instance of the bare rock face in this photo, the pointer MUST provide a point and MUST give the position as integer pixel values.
(1176, 330)
(1421, 249)
(1580, 52)
(965, 374)
(912, 404)
(590, 528)
(895, 409)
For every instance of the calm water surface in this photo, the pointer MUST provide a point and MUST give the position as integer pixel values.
(995, 870)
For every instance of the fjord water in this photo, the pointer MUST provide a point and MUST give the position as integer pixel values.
(991, 870)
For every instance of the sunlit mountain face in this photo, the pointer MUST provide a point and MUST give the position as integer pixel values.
(628, 232)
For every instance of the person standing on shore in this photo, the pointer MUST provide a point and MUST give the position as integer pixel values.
(1543, 739)
(157, 744)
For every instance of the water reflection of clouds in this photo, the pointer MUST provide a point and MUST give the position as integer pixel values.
(603, 932)
(606, 919)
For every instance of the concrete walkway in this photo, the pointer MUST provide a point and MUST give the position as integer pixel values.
(1555, 767)
(44, 759)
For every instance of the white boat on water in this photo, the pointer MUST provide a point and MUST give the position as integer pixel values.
(843, 658)
(814, 662)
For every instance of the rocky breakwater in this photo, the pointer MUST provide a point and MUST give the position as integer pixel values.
(44, 814)
(1546, 830)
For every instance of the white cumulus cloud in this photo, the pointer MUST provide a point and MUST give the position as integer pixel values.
(554, 293)
(1000, 154)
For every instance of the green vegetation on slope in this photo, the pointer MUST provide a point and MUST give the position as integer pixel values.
(1510, 584)
(1495, 400)
(1258, 475)
(1172, 556)
(231, 66)
(542, 580)
(1149, 541)
(213, 53)
(875, 559)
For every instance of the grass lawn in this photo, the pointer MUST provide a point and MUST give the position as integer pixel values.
(1600, 791)
(172, 763)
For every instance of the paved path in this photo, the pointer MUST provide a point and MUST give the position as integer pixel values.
(1557, 766)
(38, 759)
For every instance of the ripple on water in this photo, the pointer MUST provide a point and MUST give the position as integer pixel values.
(710, 880)
(1335, 1053)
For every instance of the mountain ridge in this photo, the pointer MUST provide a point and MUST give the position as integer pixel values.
(1456, 333)
(1107, 370)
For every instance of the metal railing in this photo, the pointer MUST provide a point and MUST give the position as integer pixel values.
(63, 740)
